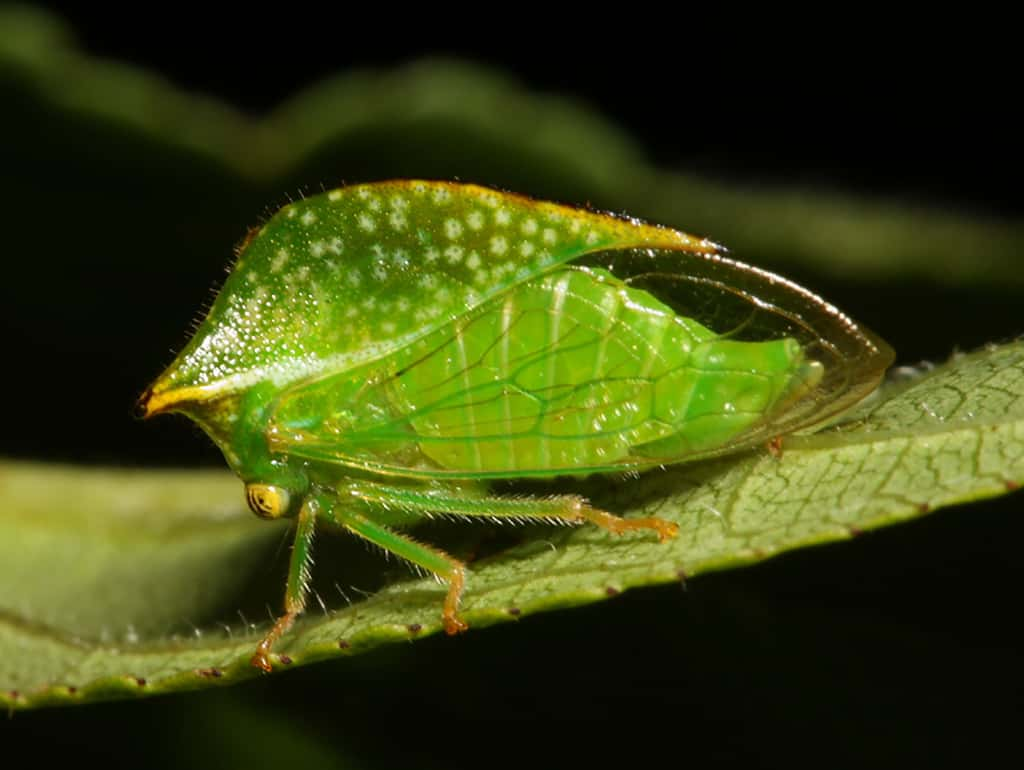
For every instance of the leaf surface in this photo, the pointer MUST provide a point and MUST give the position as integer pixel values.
(97, 563)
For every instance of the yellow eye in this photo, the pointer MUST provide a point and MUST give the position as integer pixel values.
(267, 501)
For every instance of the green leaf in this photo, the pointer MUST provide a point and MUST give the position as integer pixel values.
(104, 573)
(121, 554)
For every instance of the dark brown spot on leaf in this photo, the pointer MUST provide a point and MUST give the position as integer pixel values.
(611, 591)
(515, 612)
(285, 660)
(343, 645)
(415, 628)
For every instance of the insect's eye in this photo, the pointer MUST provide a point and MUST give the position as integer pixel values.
(267, 501)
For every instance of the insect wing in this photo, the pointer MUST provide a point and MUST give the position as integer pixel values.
(547, 378)
(575, 372)
(745, 303)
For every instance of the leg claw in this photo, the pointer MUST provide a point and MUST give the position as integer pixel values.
(666, 530)
(261, 661)
(453, 625)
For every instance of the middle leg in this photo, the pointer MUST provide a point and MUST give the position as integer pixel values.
(434, 560)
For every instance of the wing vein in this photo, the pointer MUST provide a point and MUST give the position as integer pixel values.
(506, 326)
(460, 341)
(555, 319)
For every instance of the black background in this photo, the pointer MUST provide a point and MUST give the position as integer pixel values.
(899, 651)
(914, 115)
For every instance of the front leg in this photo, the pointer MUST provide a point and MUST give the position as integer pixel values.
(297, 588)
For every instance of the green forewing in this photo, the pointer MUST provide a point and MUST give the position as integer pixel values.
(571, 372)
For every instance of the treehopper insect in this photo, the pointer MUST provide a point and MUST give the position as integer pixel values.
(382, 353)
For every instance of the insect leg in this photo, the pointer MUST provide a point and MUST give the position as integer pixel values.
(449, 569)
(297, 587)
(562, 509)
